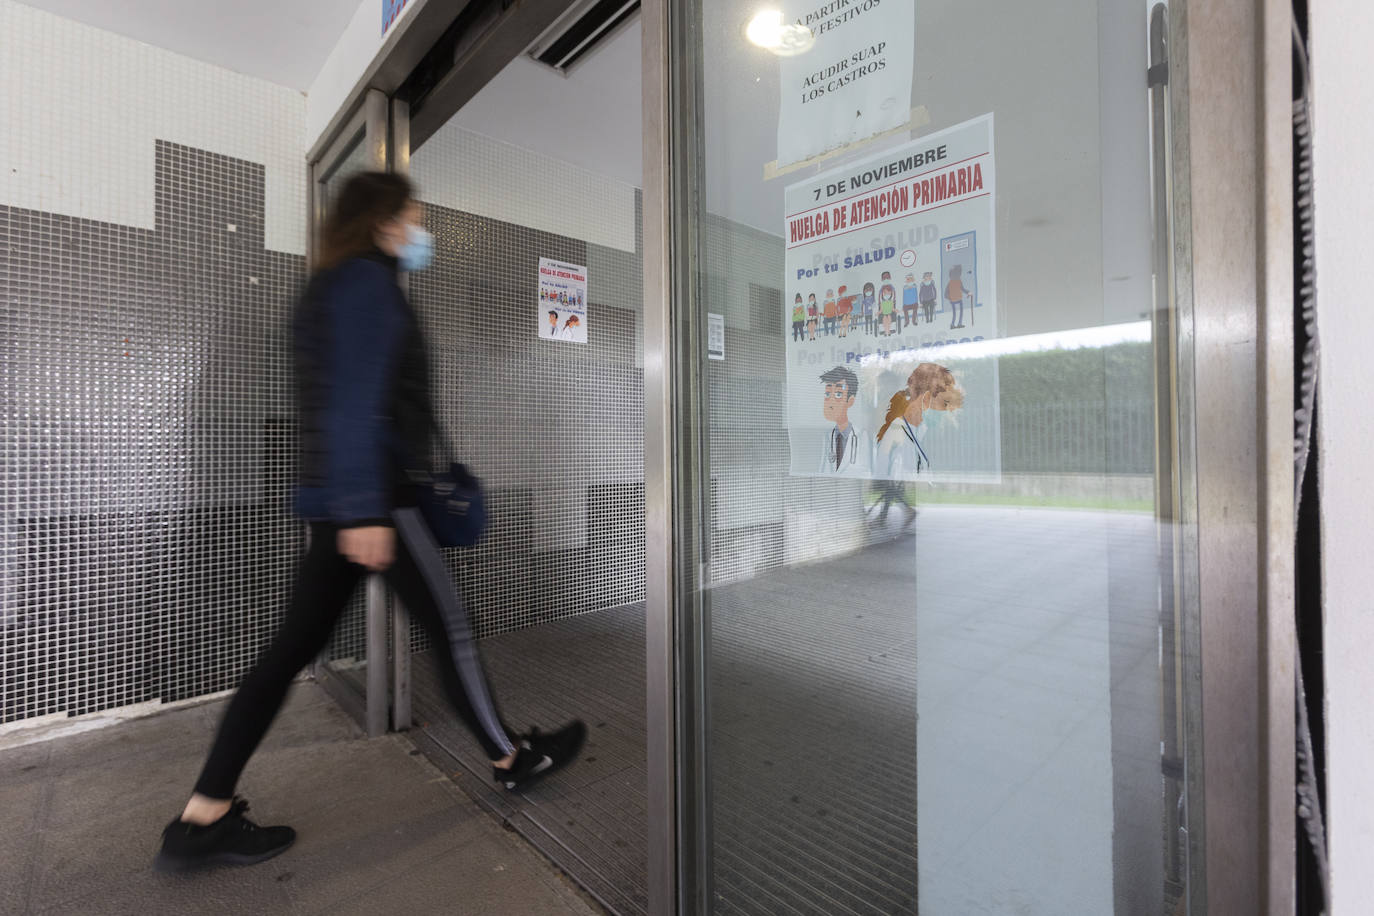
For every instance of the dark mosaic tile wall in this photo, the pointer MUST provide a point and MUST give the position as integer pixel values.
(148, 444)
(555, 429)
(149, 440)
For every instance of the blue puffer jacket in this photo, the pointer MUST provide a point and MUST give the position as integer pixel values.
(362, 394)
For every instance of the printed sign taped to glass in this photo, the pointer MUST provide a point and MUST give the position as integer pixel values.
(850, 76)
(891, 282)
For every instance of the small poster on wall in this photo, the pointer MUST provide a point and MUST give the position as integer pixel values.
(562, 301)
(715, 336)
(852, 77)
(890, 288)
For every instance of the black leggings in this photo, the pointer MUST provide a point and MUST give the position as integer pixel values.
(324, 584)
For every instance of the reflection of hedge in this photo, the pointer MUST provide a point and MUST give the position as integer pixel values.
(1078, 411)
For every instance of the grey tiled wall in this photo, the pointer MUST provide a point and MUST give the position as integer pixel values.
(148, 446)
(555, 430)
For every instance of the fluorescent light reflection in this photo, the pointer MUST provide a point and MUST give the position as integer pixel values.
(1072, 339)
(768, 30)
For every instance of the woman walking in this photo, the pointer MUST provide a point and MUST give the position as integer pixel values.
(362, 388)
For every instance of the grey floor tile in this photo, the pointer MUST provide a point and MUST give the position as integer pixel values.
(489, 876)
(369, 814)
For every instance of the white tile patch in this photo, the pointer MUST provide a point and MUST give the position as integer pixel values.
(454, 168)
(83, 108)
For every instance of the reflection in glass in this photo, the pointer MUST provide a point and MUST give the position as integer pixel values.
(933, 566)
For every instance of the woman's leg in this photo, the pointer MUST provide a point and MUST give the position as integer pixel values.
(421, 580)
(323, 586)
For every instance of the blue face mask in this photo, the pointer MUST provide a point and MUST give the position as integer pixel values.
(418, 250)
(934, 419)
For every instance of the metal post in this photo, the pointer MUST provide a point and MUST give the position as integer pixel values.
(376, 656)
(400, 615)
(400, 666)
(376, 112)
(1232, 151)
(660, 686)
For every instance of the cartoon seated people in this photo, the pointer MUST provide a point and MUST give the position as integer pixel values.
(843, 309)
(870, 306)
(954, 294)
(798, 319)
(929, 295)
(931, 393)
(846, 450)
(887, 287)
(831, 313)
(887, 308)
(849, 305)
(910, 304)
(813, 313)
(570, 327)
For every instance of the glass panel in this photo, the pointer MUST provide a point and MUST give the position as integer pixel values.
(532, 313)
(356, 159)
(933, 571)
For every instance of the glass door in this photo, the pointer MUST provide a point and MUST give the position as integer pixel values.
(928, 514)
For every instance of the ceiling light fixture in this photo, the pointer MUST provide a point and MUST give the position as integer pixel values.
(768, 31)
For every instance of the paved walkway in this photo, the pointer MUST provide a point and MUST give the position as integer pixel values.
(380, 829)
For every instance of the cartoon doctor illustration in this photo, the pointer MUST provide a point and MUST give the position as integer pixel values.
(931, 393)
(846, 449)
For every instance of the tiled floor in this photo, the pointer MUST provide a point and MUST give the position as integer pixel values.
(380, 829)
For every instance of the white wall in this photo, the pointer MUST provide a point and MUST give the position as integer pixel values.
(283, 43)
(351, 57)
(81, 109)
(1342, 32)
(455, 169)
(590, 118)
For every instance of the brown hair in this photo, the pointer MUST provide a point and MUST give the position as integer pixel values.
(367, 200)
(927, 378)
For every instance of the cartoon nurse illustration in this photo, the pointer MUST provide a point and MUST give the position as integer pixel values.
(931, 392)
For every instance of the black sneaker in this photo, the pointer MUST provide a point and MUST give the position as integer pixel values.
(231, 840)
(540, 754)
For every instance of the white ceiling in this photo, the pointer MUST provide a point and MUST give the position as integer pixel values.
(282, 41)
(589, 118)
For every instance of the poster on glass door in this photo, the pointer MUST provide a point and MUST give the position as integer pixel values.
(890, 287)
(562, 301)
(845, 72)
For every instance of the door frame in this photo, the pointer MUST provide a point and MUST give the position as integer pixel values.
(1232, 231)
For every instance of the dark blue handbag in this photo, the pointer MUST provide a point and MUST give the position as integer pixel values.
(454, 506)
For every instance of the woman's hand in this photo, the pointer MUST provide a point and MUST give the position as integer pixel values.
(372, 548)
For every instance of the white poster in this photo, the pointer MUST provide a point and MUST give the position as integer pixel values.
(855, 79)
(889, 261)
(715, 336)
(562, 301)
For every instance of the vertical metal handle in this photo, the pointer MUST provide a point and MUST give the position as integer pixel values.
(376, 657)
